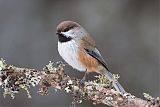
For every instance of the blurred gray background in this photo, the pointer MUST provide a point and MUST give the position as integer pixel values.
(126, 33)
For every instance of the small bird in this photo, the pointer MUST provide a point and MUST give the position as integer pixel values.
(78, 49)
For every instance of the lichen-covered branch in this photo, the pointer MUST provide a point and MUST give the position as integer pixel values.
(13, 79)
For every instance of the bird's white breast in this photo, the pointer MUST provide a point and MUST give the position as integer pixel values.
(69, 52)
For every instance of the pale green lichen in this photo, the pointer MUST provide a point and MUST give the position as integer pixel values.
(32, 78)
(148, 97)
(50, 69)
(61, 66)
(2, 64)
(110, 102)
(128, 96)
(67, 89)
(2, 67)
(70, 82)
(13, 83)
(99, 84)
(115, 77)
(8, 91)
(101, 79)
(26, 89)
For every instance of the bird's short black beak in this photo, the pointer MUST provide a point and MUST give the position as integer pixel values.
(58, 33)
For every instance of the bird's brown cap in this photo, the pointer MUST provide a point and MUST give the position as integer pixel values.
(66, 26)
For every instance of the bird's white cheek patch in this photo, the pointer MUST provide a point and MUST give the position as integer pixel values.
(69, 51)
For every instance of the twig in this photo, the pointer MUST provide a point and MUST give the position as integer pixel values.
(12, 79)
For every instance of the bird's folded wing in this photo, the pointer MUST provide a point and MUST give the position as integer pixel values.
(96, 54)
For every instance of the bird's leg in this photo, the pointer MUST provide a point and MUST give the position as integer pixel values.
(84, 77)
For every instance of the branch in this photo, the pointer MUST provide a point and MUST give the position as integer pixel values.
(12, 79)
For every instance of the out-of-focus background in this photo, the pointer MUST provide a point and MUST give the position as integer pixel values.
(126, 33)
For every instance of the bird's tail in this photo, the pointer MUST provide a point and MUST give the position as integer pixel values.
(116, 84)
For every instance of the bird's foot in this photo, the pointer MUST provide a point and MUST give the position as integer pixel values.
(82, 81)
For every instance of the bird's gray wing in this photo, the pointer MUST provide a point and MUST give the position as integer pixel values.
(96, 54)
